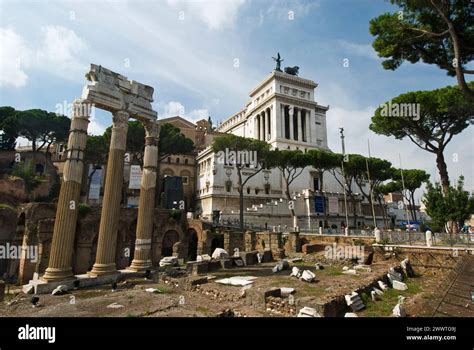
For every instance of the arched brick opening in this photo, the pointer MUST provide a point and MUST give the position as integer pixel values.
(169, 239)
(192, 245)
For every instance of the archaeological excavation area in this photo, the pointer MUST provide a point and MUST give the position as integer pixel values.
(272, 275)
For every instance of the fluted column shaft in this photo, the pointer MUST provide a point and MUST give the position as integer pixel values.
(291, 112)
(142, 256)
(62, 245)
(300, 126)
(110, 215)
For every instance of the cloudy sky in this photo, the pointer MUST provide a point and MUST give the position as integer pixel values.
(203, 57)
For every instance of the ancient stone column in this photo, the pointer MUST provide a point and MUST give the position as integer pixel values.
(262, 127)
(60, 259)
(110, 215)
(142, 256)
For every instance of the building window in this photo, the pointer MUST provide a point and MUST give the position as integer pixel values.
(169, 159)
(228, 186)
(177, 160)
(257, 191)
(185, 180)
(267, 188)
(248, 190)
(315, 183)
(186, 161)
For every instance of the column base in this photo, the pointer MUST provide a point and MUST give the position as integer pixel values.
(57, 274)
(102, 269)
(140, 265)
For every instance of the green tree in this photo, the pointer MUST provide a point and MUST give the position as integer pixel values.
(135, 140)
(413, 180)
(172, 141)
(451, 209)
(8, 130)
(354, 165)
(380, 170)
(438, 32)
(443, 113)
(26, 171)
(95, 155)
(250, 162)
(40, 127)
(380, 191)
(291, 164)
(323, 161)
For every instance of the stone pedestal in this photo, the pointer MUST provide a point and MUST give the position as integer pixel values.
(109, 220)
(429, 238)
(142, 257)
(378, 236)
(60, 260)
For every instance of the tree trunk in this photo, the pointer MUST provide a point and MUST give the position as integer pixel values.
(412, 195)
(292, 210)
(354, 210)
(443, 171)
(241, 202)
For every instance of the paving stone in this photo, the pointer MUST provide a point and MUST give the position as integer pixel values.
(308, 312)
(382, 285)
(308, 276)
(61, 289)
(399, 311)
(281, 265)
(399, 285)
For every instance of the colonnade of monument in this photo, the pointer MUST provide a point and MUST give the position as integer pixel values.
(295, 124)
(124, 99)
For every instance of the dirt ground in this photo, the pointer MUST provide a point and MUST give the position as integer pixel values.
(176, 297)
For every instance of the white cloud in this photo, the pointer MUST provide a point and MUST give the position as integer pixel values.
(176, 108)
(215, 14)
(60, 49)
(58, 53)
(298, 8)
(356, 130)
(14, 57)
(362, 50)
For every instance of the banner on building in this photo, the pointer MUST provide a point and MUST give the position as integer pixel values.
(319, 204)
(96, 181)
(333, 204)
(135, 177)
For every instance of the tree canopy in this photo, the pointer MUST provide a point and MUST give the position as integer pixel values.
(243, 154)
(40, 127)
(455, 206)
(443, 113)
(432, 31)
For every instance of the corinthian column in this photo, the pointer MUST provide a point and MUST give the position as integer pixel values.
(142, 256)
(110, 215)
(60, 259)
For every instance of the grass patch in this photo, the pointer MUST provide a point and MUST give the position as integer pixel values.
(6, 206)
(164, 289)
(389, 298)
(203, 310)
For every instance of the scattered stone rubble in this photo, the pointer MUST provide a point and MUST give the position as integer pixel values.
(354, 302)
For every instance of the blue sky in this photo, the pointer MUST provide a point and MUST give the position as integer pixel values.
(187, 51)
